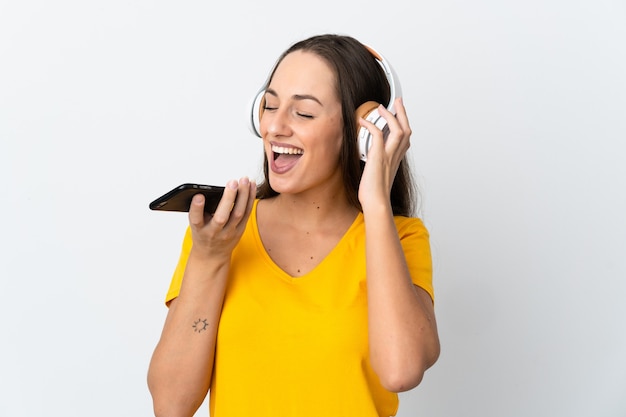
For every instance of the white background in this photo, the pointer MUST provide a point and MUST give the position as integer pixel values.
(519, 118)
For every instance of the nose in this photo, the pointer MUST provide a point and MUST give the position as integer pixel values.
(275, 122)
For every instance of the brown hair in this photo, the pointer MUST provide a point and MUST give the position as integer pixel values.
(359, 79)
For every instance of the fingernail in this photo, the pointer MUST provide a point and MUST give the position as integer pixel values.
(232, 184)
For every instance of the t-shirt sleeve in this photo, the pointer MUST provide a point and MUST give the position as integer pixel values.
(177, 278)
(415, 241)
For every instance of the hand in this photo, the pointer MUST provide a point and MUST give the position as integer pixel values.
(384, 157)
(216, 235)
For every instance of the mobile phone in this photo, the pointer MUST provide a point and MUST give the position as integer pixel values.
(179, 199)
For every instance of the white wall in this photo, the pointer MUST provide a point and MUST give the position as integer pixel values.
(519, 117)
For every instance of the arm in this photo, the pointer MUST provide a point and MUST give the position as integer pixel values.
(403, 334)
(402, 328)
(180, 371)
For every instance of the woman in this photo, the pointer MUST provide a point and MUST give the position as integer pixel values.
(311, 296)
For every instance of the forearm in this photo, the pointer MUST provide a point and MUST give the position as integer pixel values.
(402, 330)
(180, 370)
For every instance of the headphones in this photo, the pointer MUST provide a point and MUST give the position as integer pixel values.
(367, 110)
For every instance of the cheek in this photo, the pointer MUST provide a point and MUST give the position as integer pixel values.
(332, 157)
(339, 138)
(336, 132)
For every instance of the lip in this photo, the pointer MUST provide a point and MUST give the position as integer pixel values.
(272, 163)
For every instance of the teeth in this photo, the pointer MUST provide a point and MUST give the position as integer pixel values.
(283, 150)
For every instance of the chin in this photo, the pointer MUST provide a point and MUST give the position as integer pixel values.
(283, 186)
(279, 188)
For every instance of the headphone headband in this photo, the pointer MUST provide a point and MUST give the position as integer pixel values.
(256, 104)
(394, 84)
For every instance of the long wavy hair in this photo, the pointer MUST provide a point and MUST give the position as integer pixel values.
(359, 78)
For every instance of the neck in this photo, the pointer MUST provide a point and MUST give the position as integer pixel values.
(313, 209)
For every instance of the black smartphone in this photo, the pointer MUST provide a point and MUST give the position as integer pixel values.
(179, 199)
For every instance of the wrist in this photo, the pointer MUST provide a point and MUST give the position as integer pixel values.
(378, 208)
(207, 260)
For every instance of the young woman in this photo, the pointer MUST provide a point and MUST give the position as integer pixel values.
(311, 295)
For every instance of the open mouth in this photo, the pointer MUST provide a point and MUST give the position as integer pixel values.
(285, 156)
(282, 150)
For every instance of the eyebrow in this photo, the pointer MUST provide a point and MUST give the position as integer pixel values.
(298, 97)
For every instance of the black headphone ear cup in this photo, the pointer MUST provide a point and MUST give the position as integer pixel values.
(369, 112)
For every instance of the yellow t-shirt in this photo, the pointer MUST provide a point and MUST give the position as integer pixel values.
(298, 346)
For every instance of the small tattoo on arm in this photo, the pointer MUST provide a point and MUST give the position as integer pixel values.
(200, 325)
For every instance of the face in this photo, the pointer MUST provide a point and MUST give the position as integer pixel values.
(302, 126)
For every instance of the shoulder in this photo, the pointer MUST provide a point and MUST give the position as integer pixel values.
(410, 226)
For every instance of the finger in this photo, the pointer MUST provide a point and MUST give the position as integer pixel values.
(395, 129)
(392, 141)
(239, 208)
(250, 203)
(399, 129)
(401, 114)
(377, 135)
(196, 211)
(371, 127)
(252, 196)
(222, 212)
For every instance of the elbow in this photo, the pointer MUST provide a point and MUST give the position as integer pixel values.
(164, 408)
(405, 376)
(401, 382)
(168, 412)
(402, 379)
(168, 403)
(160, 405)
